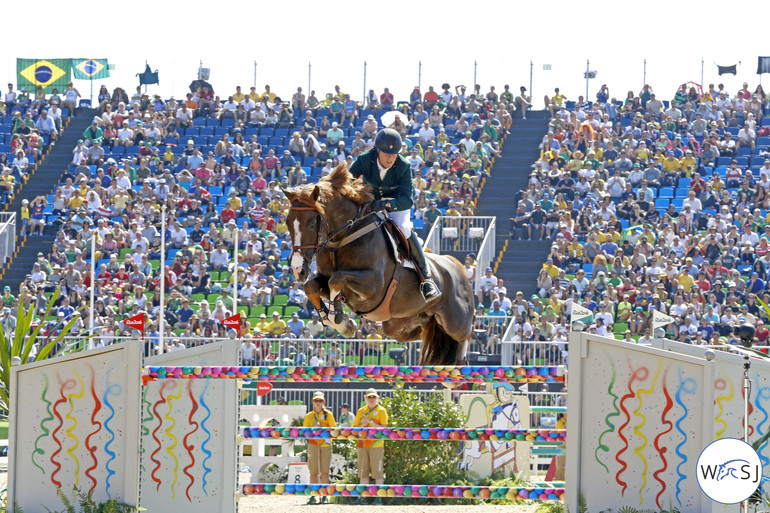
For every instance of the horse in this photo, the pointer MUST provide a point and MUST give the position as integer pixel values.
(332, 222)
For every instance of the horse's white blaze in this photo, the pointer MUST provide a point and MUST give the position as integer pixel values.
(296, 259)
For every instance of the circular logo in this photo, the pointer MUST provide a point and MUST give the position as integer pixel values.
(729, 471)
(43, 74)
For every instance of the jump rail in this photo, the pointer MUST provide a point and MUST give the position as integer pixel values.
(385, 374)
(414, 491)
(395, 433)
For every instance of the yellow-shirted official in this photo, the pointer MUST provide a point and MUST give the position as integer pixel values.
(319, 452)
(371, 452)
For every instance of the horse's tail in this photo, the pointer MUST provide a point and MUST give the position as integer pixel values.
(438, 348)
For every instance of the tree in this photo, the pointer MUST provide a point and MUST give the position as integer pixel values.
(24, 339)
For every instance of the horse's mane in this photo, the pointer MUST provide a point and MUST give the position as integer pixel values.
(337, 183)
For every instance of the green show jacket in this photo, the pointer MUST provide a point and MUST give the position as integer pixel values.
(396, 185)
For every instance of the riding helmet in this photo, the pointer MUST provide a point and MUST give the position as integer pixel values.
(388, 141)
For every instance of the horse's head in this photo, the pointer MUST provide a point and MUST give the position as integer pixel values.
(304, 223)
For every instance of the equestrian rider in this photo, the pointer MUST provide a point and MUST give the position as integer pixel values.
(390, 176)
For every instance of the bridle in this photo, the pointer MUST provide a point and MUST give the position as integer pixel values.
(323, 226)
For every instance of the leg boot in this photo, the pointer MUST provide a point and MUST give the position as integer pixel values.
(428, 287)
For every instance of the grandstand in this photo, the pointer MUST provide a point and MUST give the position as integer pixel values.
(619, 197)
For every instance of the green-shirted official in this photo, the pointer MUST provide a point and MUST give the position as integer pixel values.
(390, 176)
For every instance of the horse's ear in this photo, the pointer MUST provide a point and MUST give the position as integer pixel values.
(316, 193)
(289, 193)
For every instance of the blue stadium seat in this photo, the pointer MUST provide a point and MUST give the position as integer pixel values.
(743, 151)
(212, 122)
(267, 131)
(678, 203)
(684, 182)
(207, 131)
(220, 131)
(742, 161)
(724, 161)
(681, 192)
(662, 203)
(228, 122)
(199, 121)
(192, 131)
(666, 192)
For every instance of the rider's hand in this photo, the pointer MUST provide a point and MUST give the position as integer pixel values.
(378, 205)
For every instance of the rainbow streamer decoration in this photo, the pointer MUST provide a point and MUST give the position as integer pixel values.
(687, 386)
(638, 427)
(45, 431)
(556, 436)
(206, 451)
(414, 491)
(113, 390)
(610, 426)
(170, 434)
(347, 374)
(73, 425)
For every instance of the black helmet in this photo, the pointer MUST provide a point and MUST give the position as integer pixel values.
(388, 141)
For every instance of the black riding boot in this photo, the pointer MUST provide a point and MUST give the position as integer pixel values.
(428, 287)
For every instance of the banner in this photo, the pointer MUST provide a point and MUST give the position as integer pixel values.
(763, 65)
(234, 322)
(90, 69)
(50, 74)
(136, 322)
(582, 314)
(725, 70)
(659, 319)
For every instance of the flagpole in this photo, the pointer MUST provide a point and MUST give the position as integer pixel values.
(701, 72)
(93, 282)
(235, 272)
(162, 313)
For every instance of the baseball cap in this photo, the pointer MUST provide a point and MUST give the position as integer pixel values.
(371, 392)
(319, 395)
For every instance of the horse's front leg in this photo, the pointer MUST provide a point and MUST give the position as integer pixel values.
(364, 284)
(316, 288)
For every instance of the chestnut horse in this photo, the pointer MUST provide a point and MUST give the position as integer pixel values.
(331, 221)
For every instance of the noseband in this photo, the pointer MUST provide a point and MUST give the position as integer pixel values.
(314, 247)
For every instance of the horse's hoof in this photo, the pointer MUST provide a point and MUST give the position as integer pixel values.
(339, 317)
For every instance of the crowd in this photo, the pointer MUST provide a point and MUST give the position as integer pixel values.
(652, 202)
(214, 169)
(28, 125)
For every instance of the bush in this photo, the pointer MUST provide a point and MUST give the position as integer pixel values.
(432, 462)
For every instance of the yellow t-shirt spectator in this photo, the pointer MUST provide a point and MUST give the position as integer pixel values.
(686, 281)
(671, 164)
(325, 419)
(277, 326)
(75, 201)
(379, 415)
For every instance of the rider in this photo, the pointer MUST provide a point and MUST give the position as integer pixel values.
(390, 176)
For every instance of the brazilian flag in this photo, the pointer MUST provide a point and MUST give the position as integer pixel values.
(48, 73)
(90, 69)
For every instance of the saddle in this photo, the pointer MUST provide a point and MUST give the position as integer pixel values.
(398, 243)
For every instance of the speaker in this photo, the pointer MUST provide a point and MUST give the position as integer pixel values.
(484, 359)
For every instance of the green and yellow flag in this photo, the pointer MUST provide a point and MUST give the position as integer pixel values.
(48, 73)
(90, 69)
